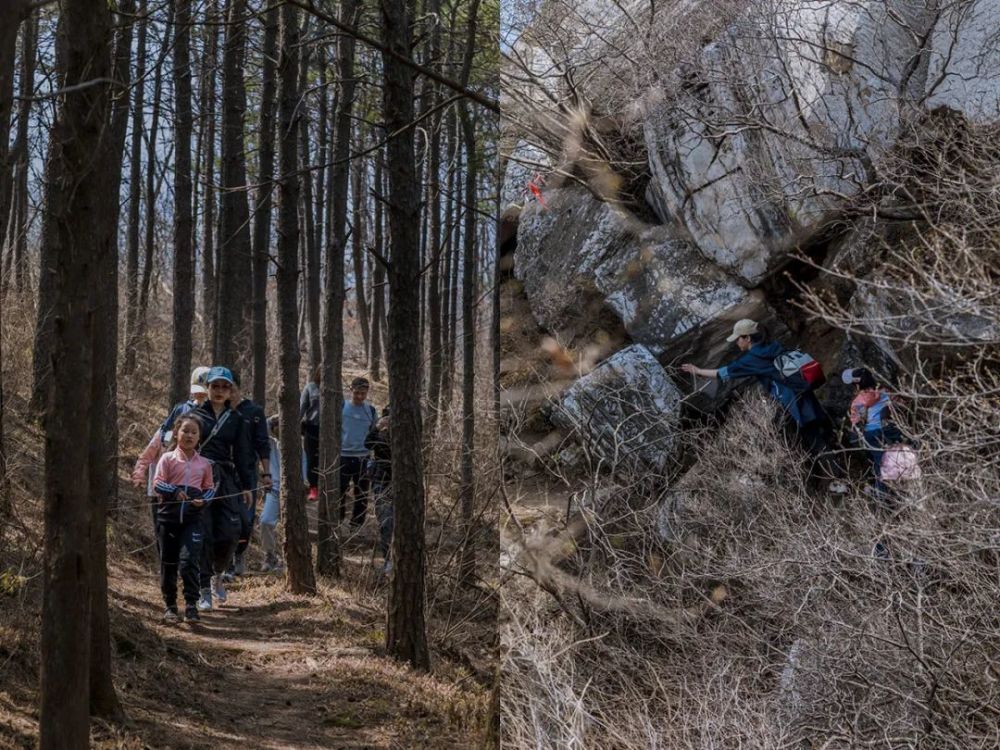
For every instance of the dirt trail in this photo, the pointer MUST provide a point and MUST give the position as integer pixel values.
(272, 670)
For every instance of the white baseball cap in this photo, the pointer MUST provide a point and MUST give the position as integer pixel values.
(198, 381)
(745, 327)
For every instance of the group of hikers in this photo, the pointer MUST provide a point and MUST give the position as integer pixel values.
(214, 454)
(791, 378)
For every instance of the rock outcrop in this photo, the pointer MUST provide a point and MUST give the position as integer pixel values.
(575, 249)
(626, 411)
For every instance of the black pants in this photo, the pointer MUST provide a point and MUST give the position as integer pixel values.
(248, 516)
(310, 440)
(352, 471)
(221, 525)
(180, 545)
(817, 439)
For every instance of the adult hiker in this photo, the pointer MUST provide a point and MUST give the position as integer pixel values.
(184, 485)
(253, 417)
(272, 509)
(225, 443)
(380, 473)
(358, 418)
(309, 421)
(760, 359)
(145, 466)
(870, 416)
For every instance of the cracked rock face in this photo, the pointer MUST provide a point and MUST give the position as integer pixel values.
(626, 411)
(964, 68)
(576, 247)
(776, 124)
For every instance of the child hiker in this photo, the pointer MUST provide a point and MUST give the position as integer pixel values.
(184, 486)
(870, 413)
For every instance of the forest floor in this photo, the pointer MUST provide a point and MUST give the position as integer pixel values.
(269, 669)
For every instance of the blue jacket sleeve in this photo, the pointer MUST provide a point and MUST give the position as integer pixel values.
(259, 435)
(745, 366)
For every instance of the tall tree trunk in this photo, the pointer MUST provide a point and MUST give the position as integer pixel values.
(378, 279)
(29, 50)
(183, 278)
(208, 264)
(104, 392)
(357, 253)
(262, 214)
(308, 238)
(10, 20)
(232, 329)
(406, 636)
(331, 389)
(152, 185)
(77, 237)
(434, 239)
(297, 550)
(135, 196)
(467, 487)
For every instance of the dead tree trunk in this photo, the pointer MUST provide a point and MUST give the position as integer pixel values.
(406, 636)
(19, 248)
(183, 278)
(357, 252)
(262, 214)
(232, 322)
(331, 391)
(308, 237)
(297, 549)
(77, 236)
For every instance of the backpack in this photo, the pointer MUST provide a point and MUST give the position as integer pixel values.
(799, 371)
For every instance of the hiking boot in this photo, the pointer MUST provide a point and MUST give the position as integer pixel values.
(228, 577)
(191, 613)
(219, 589)
(837, 487)
(205, 602)
(171, 616)
(386, 567)
(239, 565)
(313, 495)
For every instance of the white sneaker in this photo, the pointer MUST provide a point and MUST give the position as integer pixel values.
(219, 589)
(205, 602)
(838, 488)
(387, 567)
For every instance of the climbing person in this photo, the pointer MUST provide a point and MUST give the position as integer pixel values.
(184, 485)
(145, 466)
(272, 510)
(309, 419)
(791, 386)
(871, 424)
(255, 423)
(225, 443)
(359, 417)
(380, 473)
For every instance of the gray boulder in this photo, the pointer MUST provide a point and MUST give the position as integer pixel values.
(522, 162)
(774, 127)
(626, 412)
(577, 252)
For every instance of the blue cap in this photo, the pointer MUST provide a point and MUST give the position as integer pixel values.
(220, 373)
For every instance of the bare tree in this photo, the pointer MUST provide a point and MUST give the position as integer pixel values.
(297, 548)
(77, 236)
(406, 636)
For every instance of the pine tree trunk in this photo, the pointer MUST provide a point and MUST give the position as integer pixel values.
(331, 390)
(29, 50)
(135, 197)
(208, 229)
(233, 305)
(308, 238)
(262, 214)
(357, 253)
(406, 637)
(77, 237)
(104, 392)
(378, 280)
(152, 186)
(183, 272)
(298, 555)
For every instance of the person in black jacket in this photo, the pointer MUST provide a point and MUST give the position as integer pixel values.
(256, 424)
(225, 442)
(380, 473)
